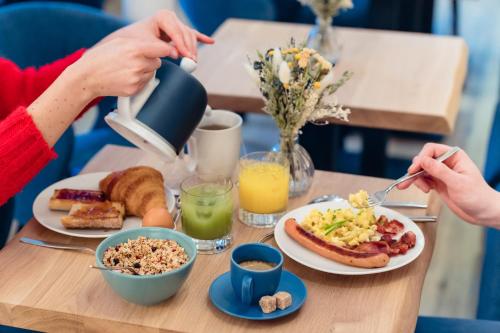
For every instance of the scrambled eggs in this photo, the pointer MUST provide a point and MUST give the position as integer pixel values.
(359, 200)
(343, 227)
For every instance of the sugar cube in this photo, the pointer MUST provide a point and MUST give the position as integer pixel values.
(283, 299)
(267, 304)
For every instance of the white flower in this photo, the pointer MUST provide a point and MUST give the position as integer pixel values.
(277, 59)
(346, 4)
(328, 107)
(326, 82)
(253, 74)
(284, 73)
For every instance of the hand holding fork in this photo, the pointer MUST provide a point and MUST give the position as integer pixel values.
(378, 198)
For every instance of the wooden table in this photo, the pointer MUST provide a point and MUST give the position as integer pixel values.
(402, 81)
(54, 290)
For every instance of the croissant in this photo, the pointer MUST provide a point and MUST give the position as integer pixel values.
(139, 188)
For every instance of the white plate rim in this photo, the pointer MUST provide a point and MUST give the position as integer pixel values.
(42, 201)
(282, 238)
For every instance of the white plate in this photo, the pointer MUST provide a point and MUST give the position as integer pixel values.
(52, 219)
(310, 259)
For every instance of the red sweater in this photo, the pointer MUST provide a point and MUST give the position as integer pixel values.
(23, 150)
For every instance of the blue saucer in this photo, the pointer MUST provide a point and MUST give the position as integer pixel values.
(222, 296)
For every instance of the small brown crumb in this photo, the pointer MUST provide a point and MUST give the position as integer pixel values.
(267, 304)
(283, 299)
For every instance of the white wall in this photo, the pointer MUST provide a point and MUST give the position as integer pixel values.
(139, 9)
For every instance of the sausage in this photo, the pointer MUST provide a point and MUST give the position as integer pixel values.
(333, 252)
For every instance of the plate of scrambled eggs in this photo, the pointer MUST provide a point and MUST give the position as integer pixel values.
(341, 224)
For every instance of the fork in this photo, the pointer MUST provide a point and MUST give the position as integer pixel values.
(378, 198)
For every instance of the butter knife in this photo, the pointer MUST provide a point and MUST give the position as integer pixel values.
(389, 204)
(53, 245)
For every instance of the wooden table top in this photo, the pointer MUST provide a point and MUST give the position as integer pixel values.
(55, 291)
(402, 81)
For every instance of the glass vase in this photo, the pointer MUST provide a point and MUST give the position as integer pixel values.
(301, 165)
(323, 38)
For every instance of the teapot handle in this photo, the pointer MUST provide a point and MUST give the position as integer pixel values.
(128, 107)
(191, 158)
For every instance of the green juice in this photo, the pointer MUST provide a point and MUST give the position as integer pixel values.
(207, 211)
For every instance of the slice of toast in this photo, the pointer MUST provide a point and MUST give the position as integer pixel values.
(101, 215)
(63, 199)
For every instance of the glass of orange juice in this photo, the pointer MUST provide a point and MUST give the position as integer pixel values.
(263, 188)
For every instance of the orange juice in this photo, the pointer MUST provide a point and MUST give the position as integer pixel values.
(263, 187)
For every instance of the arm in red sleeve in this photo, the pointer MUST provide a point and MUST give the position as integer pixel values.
(23, 152)
(21, 87)
(23, 149)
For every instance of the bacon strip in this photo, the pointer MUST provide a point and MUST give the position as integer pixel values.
(385, 227)
(388, 245)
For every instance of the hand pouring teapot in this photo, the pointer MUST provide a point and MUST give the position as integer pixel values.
(160, 119)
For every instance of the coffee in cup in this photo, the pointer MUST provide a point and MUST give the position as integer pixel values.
(257, 265)
(250, 284)
(215, 144)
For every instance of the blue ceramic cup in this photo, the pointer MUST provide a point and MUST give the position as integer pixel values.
(250, 285)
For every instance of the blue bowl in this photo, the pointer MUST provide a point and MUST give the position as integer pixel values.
(147, 289)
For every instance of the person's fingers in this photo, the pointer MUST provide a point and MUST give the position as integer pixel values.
(154, 48)
(173, 31)
(194, 44)
(150, 65)
(415, 165)
(406, 184)
(145, 78)
(422, 184)
(433, 149)
(188, 41)
(204, 38)
(438, 170)
(156, 63)
(174, 54)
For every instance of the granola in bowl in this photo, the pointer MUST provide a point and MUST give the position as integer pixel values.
(147, 256)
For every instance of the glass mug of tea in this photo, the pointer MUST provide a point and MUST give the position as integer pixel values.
(207, 212)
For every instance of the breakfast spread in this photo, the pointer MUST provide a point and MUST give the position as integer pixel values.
(355, 238)
(63, 199)
(146, 255)
(136, 191)
(105, 215)
(281, 300)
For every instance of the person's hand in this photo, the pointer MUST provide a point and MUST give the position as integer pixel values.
(166, 26)
(119, 67)
(459, 183)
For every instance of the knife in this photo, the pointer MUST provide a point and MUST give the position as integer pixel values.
(393, 204)
(53, 245)
(430, 218)
(400, 204)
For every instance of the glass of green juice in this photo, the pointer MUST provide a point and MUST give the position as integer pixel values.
(207, 212)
